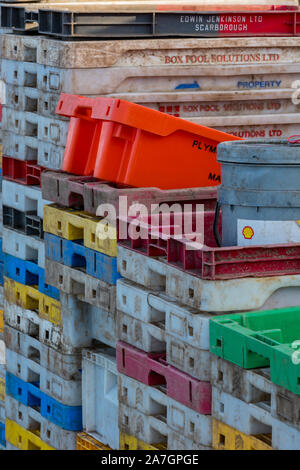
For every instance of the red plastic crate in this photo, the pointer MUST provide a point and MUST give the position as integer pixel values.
(152, 369)
(217, 263)
(126, 143)
(23, 172)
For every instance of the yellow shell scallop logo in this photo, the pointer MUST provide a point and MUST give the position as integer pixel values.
(248, 232)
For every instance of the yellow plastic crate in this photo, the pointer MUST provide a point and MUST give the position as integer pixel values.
(30, 298)
(23, 439)
(128, 442)
(228, 438)
(87, 442)
(1, 322)
(2, 388)
(68, 223)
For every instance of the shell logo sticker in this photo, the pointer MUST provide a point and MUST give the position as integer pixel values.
(248, 232)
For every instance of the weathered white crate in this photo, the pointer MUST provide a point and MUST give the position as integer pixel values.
(31, 419)
(100, 395)
(30, 148)
(255, 387)
(148, 414)
(153, 322)
(34, 126)
(29, 369)
(65, 366)
(253, 418)
(32, 100)
(23, 246)
(151, 52)
(22, 197)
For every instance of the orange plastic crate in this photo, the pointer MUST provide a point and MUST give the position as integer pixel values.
(123, 142)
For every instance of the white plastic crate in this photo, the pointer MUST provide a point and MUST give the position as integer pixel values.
(100, 395)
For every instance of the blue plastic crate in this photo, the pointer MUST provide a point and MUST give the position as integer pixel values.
(64, 416)
(2, 435)
(29, 274)
(75, 255)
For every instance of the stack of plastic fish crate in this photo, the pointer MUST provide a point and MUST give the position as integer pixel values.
(2, 345)
(43, 377)
(122, 405)
(168, 295)
(95, 361)
(241, 85)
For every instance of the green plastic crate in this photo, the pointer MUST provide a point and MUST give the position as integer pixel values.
(261, 339)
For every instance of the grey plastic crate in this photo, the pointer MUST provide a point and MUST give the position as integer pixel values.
(65, 366)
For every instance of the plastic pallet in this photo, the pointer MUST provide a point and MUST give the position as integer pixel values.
(208, 261)
(28, 297)
(228, 438)
(158, 426)
(23, 198)
(86, 288)
(23, 246)
(153, 316)
(85, 54)
(75, 255)
(77, 225)
(64, 416)
(28, 99)
(31, 148)
(260, 339)
(28, 223)
(87, 442)
(23, 439)
(81, 325)
(152, 369)
(231, 295)
(21, 172)
(31, 420)
(85, 192)
(67, 392)
(28, 273)
(33, 126)
(255, 387)
(252, 419)
(176, 67)
(153, 338)
(33, 356)
(112, 118)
